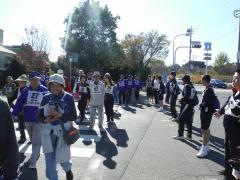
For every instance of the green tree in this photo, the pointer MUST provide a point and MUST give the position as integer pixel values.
(92, 35)
(141, 49)
(221, 60)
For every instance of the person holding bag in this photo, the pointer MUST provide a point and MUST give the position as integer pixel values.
(57, 112)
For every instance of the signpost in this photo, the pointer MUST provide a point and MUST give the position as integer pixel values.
(207, 56)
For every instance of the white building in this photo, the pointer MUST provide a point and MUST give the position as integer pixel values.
(5, 54)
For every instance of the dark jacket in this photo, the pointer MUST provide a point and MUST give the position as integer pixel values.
(188, 94)
(9, 153)
(208, 100)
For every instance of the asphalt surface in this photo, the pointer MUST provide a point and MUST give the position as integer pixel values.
(139, 146)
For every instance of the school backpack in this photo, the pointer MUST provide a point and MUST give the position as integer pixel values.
(216, 103)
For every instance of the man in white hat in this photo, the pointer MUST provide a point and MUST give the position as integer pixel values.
(97, 92)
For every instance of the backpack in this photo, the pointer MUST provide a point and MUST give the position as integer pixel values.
(195, 100)
(216, 103)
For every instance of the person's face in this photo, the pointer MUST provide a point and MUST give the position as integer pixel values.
(22, 83)
(184, 82)
(204, 82)
(106, 79)
(96, 78)
(236, 81)
(83, 79)
(171, 77)
(56, 88)
(34, 82)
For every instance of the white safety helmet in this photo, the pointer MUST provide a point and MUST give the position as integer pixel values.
(57, 78)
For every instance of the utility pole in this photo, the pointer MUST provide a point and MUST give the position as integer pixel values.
(190, 47)
(236, 14)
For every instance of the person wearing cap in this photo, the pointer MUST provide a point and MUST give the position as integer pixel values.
(97, 92)
(29, 102)
(187, 108)
(83, 94)
(121, 87)
(231, 123)
(68, 85)
(129, 88)
(108, 98)
(174, 92)
(22, 83)
(206, 113)
(9, 153)
(56, 107)
(9, 89)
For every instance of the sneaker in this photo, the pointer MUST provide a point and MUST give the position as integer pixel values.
(203, 152)
(161, 109)
(69, 175)
(178, 137)
(174, 119)
(188, 137)
(208, 148)
(21, 140)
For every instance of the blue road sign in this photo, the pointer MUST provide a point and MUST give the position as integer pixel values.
(208, 46)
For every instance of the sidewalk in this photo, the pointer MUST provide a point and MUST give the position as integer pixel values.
(161, 157)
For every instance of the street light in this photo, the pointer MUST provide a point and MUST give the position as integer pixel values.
(188, 33)
(180, 47)
(236, 14)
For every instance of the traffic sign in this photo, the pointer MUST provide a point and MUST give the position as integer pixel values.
(207, 58)
(207, 54)
(208, 46)
(196, 44)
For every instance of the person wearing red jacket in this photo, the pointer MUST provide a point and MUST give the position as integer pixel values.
(67, 82)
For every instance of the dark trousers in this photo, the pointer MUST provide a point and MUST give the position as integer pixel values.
(155, 92)
(129, 95)
(167, 97)
(108, 104)
(121, 97)
(21, 126)
(232, 140)
(173, 100)
(82, 104)
(185, 117)
(136, 94)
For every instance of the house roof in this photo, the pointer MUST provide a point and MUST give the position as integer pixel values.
(5, 50)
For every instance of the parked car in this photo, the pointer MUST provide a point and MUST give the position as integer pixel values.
(216, 83)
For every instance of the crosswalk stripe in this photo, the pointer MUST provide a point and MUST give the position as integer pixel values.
(75, 151)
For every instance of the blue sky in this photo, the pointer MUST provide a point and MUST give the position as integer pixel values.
(212, 21)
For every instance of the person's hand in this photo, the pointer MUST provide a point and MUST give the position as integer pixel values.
(217, 115)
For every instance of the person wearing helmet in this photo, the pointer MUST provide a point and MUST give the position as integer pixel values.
(83, 93)
(68, 85)
(9, 89)
(56, 107)
(22, 82)
(174, 92)
(108, 98)
(29, 102)
(187, 108)
(97, 91)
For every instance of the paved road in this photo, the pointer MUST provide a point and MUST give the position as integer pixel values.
(139, 146)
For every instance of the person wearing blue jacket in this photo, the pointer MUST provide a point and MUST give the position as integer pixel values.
(29, 101)
(57, 107)
(121, 87)
(129, 87)
(137, 84)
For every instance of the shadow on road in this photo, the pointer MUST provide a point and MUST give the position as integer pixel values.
(128, 108)
(107, 149)
(27, 174)
(119, 134)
